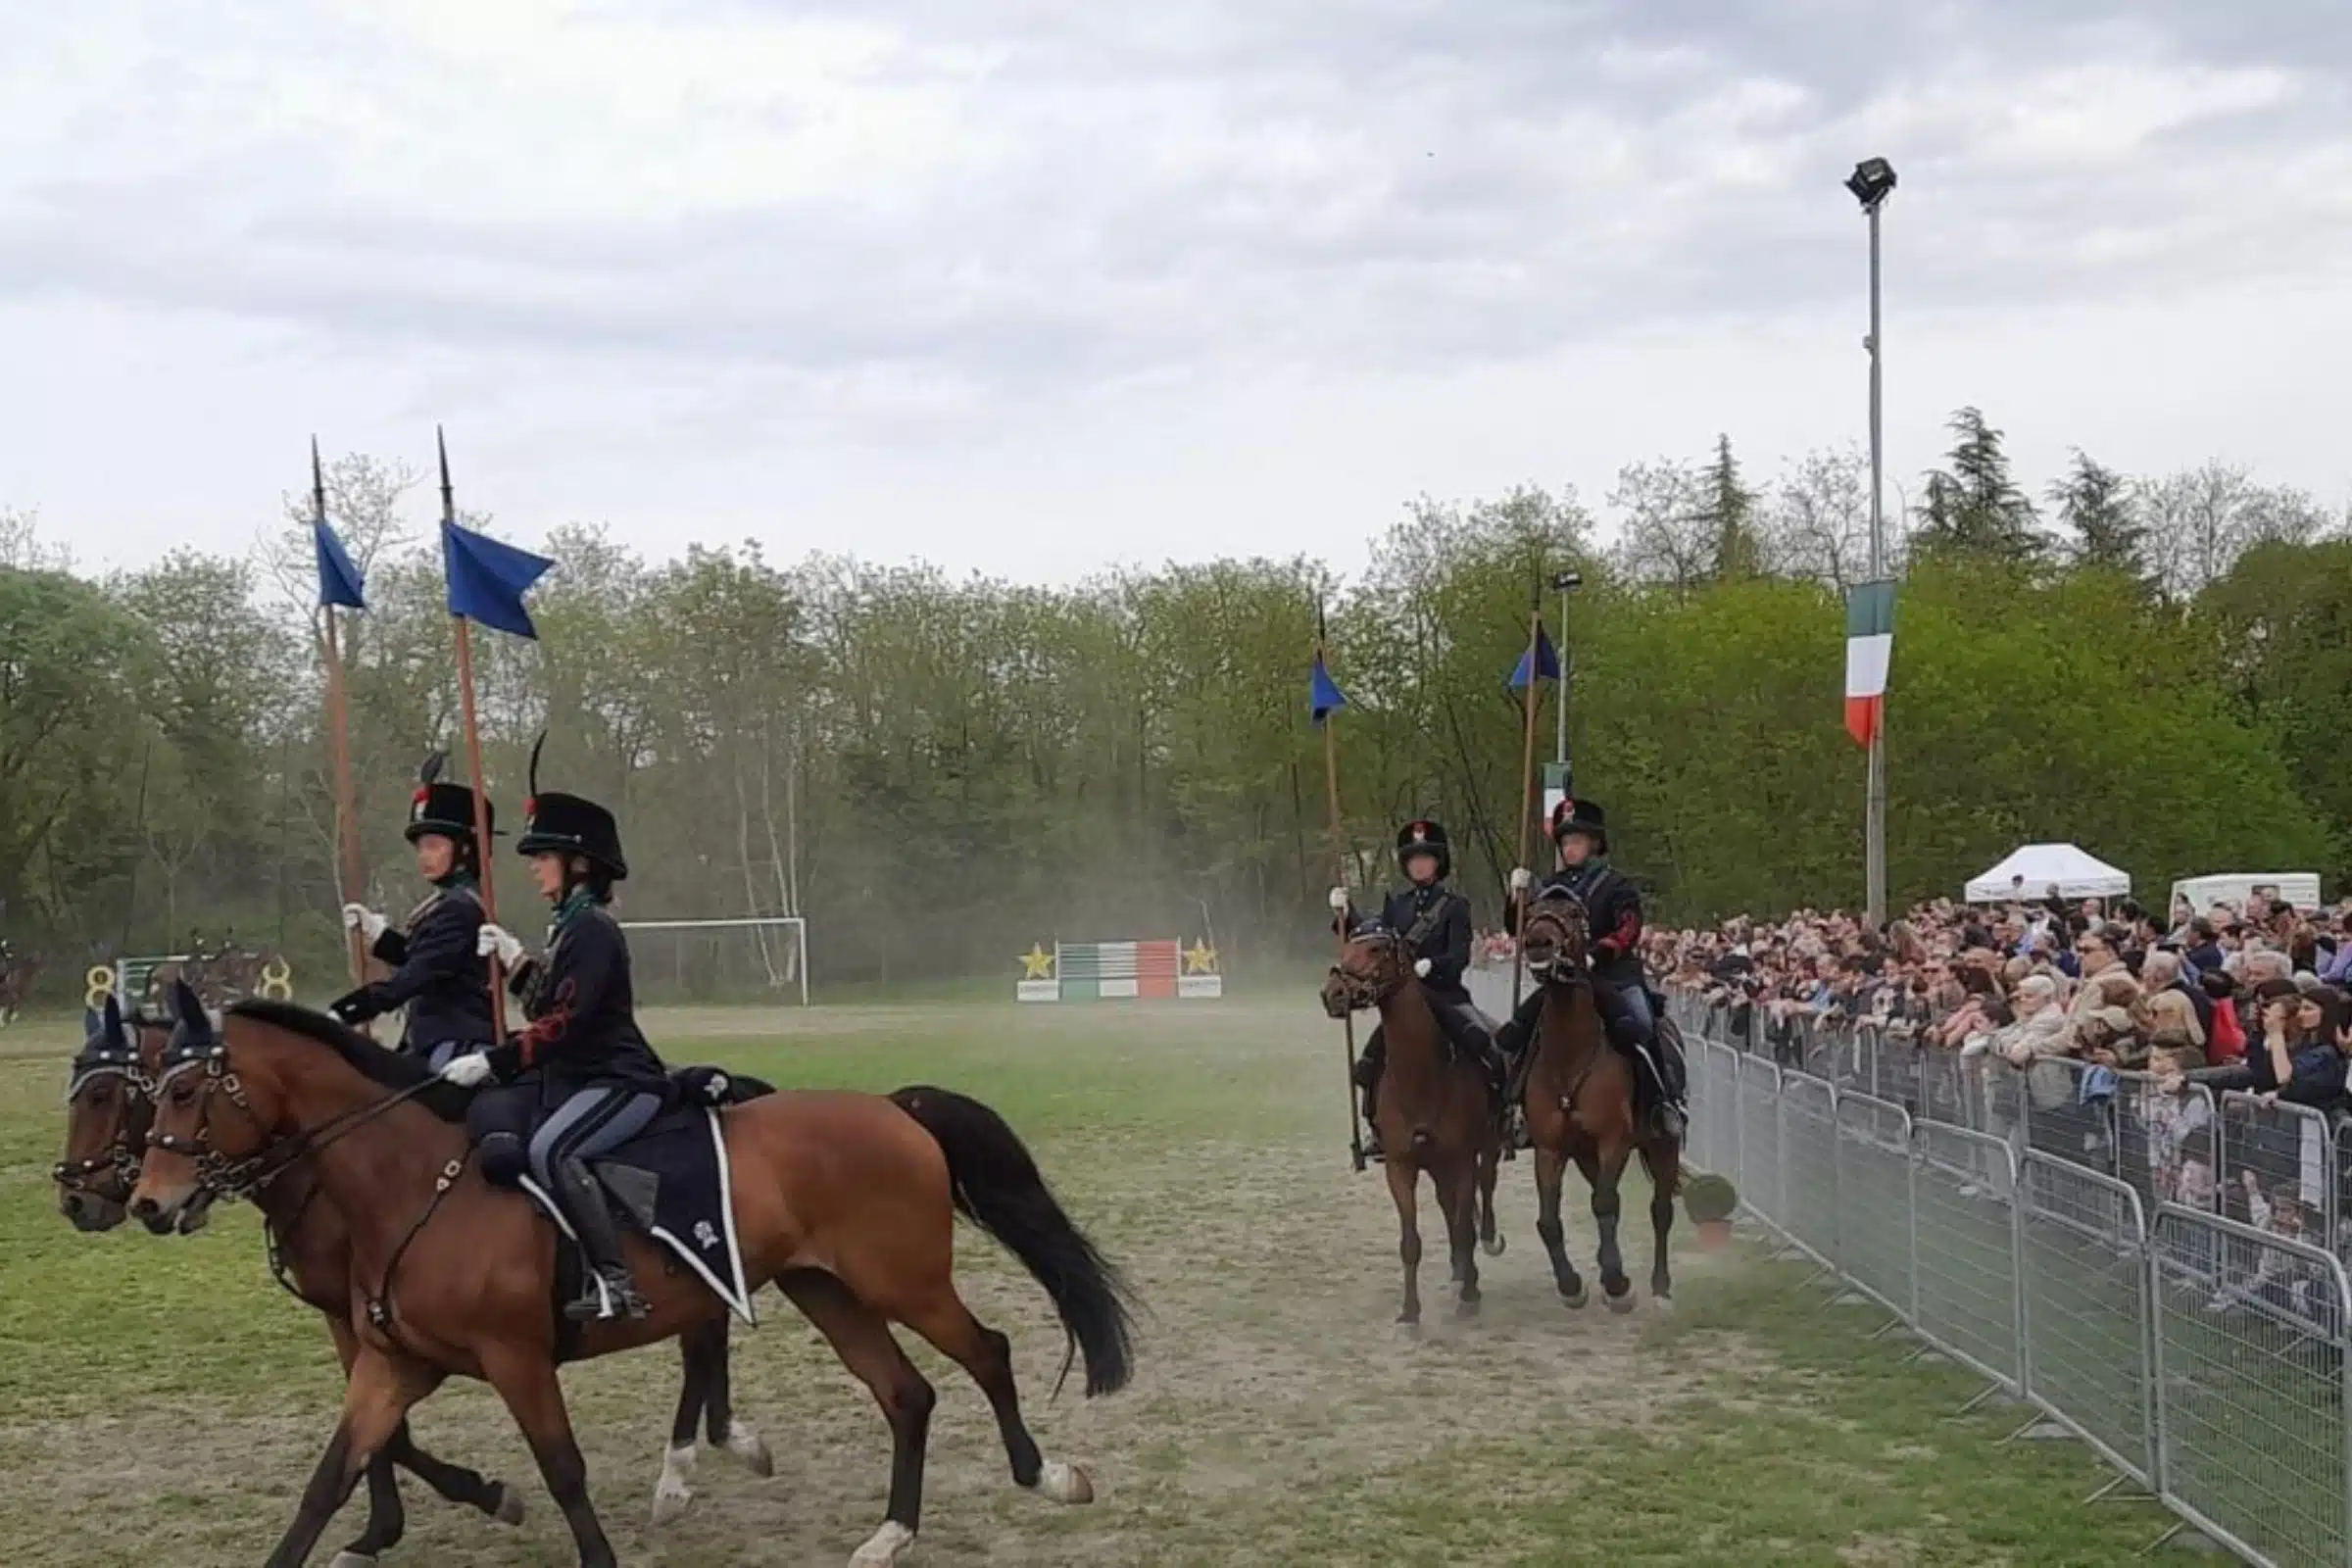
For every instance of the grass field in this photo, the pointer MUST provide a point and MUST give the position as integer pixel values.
(161, 1401)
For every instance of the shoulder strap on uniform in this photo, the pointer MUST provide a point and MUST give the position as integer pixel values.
(1427, 921)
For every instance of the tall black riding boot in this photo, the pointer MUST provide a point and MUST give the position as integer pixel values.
(591, 1217)
(1368, 1078)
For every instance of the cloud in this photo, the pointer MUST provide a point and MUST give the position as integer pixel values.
(915, 225)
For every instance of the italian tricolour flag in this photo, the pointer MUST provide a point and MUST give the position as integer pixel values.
(1869, 639)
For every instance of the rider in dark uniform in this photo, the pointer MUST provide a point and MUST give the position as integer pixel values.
(1621, 987)
(436, 973)
(580, 1080)
(1435, 921)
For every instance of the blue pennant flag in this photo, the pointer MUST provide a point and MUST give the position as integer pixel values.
(488, 579)
(1548, 661)
(1323, 695)
(339, 579)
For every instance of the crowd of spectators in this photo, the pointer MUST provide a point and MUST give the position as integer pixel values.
(2248, 997)
(2257, 992)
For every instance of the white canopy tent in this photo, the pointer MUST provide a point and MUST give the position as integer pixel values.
(2034, 870)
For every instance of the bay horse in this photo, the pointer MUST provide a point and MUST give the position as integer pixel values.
(1580, 1102)
(109, 1109)
(1435, 1114)
(846, 1202)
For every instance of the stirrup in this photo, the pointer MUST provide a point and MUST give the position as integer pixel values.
(605, 1295)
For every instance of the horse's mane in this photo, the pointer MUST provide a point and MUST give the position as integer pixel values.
(387, 1069)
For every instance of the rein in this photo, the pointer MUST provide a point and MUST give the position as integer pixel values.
(1366, 991)
(242, 1178)
(251, 1174)
(1565, 968)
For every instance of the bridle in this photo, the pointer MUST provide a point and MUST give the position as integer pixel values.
(106, 1055)
(1370, 991)
(245, 1175)
(1561, 917)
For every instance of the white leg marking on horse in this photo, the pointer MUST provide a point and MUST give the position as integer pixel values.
(882, 1547)
(1064, 1483)
(671, 1493)
(351, 1559)
(745, 1444)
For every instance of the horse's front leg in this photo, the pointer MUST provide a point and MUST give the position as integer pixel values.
(375, 1397)
(1551, 1171)
(1459, 1194)
(1403, 1177)
(1604, 1169)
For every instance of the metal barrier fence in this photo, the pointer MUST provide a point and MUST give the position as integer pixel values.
(2071, 1239)
(2083, 1254)
(2250, 1369)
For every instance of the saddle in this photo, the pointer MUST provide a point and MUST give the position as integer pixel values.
(671, 1184)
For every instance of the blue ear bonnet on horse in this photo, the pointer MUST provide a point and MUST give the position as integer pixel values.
(107, 1045)
(193, 1038)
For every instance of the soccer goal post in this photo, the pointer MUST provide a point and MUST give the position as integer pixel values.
(746, 958)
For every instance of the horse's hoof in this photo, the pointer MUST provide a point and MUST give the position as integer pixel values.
(1620, 1304)
(1408, 1328)
(672, 1498)
(884, 1546)
(1575, 1301)
(509, 1504)
(353, 1559)
(1495, 1245)
(1064, 1483)
(1466, 1307)
(749, 1447)
(1662, 1303)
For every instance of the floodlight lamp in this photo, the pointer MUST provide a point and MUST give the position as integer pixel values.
(1871, 181)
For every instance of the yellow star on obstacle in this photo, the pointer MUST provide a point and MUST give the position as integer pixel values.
(1039, 962)
(1200, 958)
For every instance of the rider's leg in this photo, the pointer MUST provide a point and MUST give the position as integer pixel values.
(591, 1122)
(1368, 1067)
(1467, 1033)
(1514, 1036)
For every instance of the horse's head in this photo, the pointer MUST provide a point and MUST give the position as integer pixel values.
(1553, 938)
(1371, 966)
(107, 1115)
(210, 1119)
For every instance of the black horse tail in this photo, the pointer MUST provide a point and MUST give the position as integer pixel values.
(998, 1188)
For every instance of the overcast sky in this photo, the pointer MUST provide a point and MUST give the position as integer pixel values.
(1038, 287)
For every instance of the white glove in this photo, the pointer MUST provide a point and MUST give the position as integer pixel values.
(1338, 901)
(497, 941)
(467, 1070)
(360, 919)
(1421, 968)
(1522, 879)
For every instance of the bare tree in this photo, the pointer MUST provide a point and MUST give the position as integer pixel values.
(1817, 518)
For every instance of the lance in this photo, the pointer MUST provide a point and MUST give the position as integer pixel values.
(473, 763)
(349, 870)
(1527, 778)
(1338, 868)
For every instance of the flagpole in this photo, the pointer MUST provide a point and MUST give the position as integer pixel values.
(1339, 867)
(347, 810)
(473, 764)
(352, 872)
(1527, 779)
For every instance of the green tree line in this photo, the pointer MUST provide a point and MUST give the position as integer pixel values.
(936, 771)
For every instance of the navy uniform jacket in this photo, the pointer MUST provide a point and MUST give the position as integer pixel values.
(1614, 908)
(583, 1013)
(436, 974)
(1447, 944)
